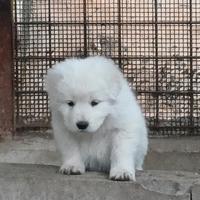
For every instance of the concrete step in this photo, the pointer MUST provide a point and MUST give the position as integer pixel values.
(164, 154)
(42, 182)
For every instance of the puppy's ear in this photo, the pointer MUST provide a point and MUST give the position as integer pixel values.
(51, 79)
(116, 86)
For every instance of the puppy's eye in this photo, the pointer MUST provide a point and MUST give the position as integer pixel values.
(94, 103)
(70, 103)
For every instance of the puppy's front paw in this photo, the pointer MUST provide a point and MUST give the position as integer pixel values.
(121, 175)
(72, 169)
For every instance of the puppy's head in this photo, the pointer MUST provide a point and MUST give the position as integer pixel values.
(84, 92)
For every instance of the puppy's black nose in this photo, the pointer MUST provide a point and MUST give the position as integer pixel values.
(82, 125)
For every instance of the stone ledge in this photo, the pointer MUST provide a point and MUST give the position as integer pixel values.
(195, 192)
(164, 154)
(42, 182)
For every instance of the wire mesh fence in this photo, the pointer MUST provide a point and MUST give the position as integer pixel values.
(156, 44)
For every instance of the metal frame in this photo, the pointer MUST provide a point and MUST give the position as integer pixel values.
(154, 42)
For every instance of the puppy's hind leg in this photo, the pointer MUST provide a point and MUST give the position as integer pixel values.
(140, 155)
(139, 162)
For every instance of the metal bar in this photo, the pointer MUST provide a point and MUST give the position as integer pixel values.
(16, 70)
(6, 75)
(183, 128)
(169, 92)
(49, 27)
(191, 69)
(111, 23)
(22, 58)
(159, 127)
(119, 35)
(156, 62)
(85, 27)
(160, 92)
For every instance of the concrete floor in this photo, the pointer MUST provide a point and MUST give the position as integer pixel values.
(42, 182)
(35, 173)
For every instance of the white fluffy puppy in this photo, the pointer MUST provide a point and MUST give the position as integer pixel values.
(97, 123)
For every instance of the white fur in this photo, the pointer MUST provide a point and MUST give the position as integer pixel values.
(116, 138)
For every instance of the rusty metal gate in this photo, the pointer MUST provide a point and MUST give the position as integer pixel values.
(156, 44)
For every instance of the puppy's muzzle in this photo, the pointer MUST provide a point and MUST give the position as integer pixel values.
(82, 125)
